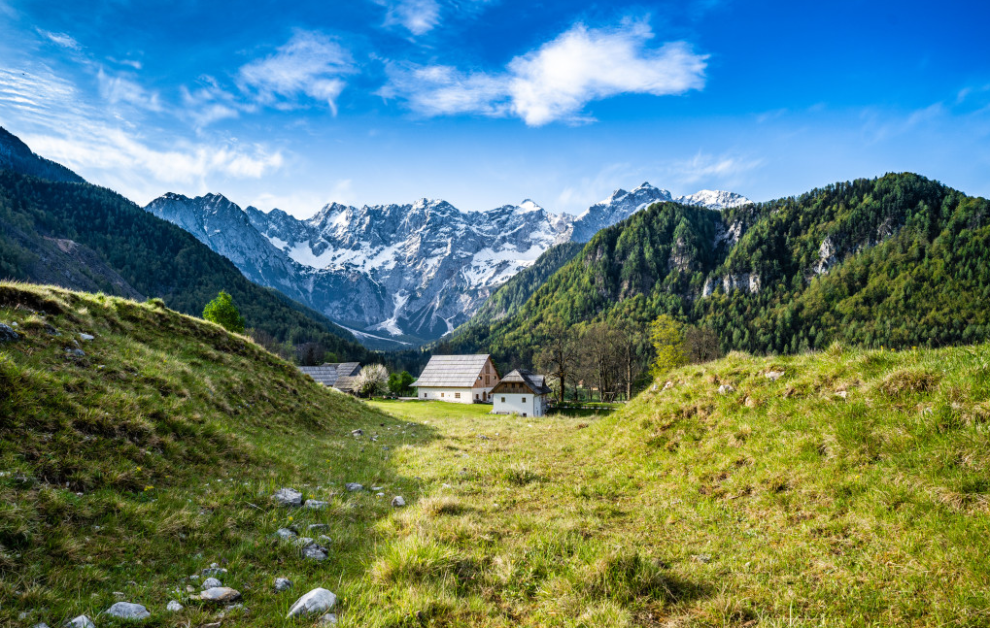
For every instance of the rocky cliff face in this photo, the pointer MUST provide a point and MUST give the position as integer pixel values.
(396, 273)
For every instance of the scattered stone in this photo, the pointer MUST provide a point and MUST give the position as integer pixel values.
(303, 541)
(318, 526)
(357, 433)
(119, 594)
(284, 533)
(750, 402)
(76, 352)
(842, 394)
(725, 389)
(446, 486)
(220, 595)
(214, 570)
(398, 502)
(323, 538)
(173, 607)
(314, 504)
(282, 584)
(126, 610)
(7, 333)
(774, 375)
(328, 620)
(195, 576)
(41, 625)
(379, 494)
(315, 602)
(211, 583)
(315, 552)
(190, 589)
(86, 337)
(376, 488)
(668, 385)
(288, 497)
(353, 486)
(51, 330)
(80, 622)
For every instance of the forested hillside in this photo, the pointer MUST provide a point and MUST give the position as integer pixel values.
(896, 261)
(86, 237)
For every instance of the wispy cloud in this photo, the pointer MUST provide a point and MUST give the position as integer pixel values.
(556, 81)
(309, 64)
(211, 103)
(61, 39)
(726, 170)
(419, 17)
(121, 89)
(58, 121)
(130, 62)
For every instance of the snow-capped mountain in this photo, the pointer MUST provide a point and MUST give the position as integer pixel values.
(405, 273)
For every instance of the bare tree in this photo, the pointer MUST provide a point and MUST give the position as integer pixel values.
(631, 342)
(701, 345)
(600, 357)
(559, 354)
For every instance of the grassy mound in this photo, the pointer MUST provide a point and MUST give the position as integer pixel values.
(840, 488)
(137, 458)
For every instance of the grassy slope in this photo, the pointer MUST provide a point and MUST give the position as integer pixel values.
(137, 465)
(781, 503)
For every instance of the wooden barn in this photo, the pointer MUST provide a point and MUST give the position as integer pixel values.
(457, 379)
(522, 393)
(339, 375)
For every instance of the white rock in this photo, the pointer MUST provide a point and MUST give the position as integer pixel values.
(288, 497)
(282, 584)
(398, 502)
(318, 526)
(328, 620)
(173, 607)
(126, 610)
(80, 622)
(725, 389)
(220, 594)
(86, 336)
(211, 583)
(315, 602)
(41, 625)
(315, 552)
(353, 486)
(774, 375)
(314, 504)
(284, 533)
(214, 570)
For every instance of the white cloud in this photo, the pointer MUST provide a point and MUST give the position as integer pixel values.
(556, 81)
(309, 64)
(417, 16)
(57, 121)
(131, 62)
(61, 39)
(210, 103)
(304, 205)
(119, 89)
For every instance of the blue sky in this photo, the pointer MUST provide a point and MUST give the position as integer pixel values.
(488, 102)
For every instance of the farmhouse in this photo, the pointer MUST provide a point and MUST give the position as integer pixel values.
(457, 378)
(339, 375)
(521, 392)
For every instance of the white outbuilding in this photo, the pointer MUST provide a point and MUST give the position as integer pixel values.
(457, 379)
(522, 393)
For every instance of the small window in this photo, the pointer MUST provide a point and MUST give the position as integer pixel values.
(424, 395)
(441, 394)
(524, 401)
(475, 396)
(457, 395)
(503, 399)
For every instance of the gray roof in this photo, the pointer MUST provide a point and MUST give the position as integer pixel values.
(455, 371)
(536, 383)
(330, 374)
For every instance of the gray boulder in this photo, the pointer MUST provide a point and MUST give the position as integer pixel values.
(80, 622)
(7, 333)
(725, 389)
(314, 504)
(211, 583)
(173, 607)
(41, 625)
(220, 595)
(318, 526)
(315, 552)
(282, 584)
(774, 375)
(284, 533)
(398, 502)
(288, 497)
(126, 610)
(328, 620)
(313, 603)
(214, 570)
(353, 486)
(87, 337)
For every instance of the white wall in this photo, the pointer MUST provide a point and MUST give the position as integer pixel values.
(533, 406)
(450, 394)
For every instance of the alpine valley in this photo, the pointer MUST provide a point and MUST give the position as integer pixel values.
(399, 275)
